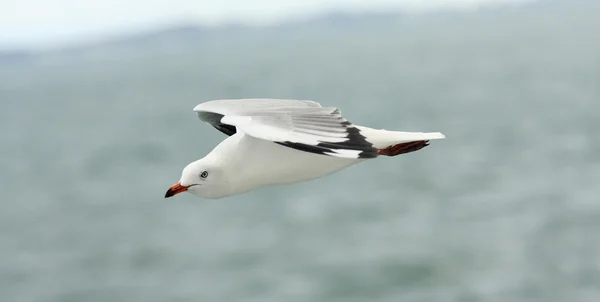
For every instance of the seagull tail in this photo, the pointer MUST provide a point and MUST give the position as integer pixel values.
(392, 143)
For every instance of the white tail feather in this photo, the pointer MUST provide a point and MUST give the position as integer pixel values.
(384, 138)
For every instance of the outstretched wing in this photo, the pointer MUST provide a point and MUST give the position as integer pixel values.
(212, 112)
(301, 125)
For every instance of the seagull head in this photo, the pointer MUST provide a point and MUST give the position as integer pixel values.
(200, 178)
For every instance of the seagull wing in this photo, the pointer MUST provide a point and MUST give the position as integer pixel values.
(301, 125)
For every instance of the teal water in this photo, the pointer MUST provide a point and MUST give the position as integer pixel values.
(505, 209)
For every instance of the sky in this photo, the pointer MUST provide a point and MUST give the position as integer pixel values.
(31, 23)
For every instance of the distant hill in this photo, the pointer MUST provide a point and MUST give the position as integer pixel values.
(14, 57)
(185, 37)
(188, 36)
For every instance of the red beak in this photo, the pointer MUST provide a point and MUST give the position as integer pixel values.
(176, 189)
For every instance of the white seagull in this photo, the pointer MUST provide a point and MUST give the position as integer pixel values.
(278, 141)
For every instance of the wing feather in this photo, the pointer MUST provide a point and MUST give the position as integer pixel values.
(302, 125)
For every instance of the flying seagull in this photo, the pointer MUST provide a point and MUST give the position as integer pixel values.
(279, 141)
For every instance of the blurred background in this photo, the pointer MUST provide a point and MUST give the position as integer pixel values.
(96, 116)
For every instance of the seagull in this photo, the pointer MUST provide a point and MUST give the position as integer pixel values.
(283, 141)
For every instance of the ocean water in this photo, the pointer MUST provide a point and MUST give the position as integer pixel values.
(507, 208)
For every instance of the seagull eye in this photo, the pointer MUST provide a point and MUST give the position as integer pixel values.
(204, 174)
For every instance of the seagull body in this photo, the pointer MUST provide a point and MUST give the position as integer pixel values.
(276, 141)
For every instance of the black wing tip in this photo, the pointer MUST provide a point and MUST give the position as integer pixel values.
(214, 119)
(322, 150)
(305, 147)
(355, 142)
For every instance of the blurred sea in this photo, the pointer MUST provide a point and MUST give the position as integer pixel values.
(507, 208)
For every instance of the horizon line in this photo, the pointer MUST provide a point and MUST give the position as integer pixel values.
(97, 36)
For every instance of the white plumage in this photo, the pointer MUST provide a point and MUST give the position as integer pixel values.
(276, 141)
